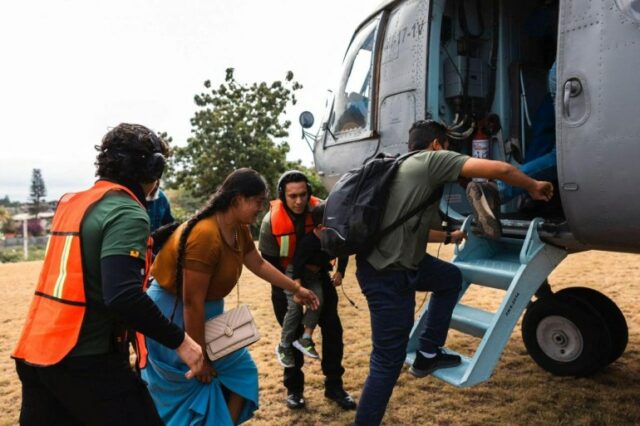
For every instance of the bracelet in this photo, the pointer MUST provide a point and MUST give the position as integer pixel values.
(447, 239)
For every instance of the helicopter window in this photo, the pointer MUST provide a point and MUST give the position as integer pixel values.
(351, 110)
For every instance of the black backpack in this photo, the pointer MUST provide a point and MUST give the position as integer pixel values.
(355, 207)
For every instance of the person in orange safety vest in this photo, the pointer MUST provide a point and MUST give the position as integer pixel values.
(288, 220)
(73, 355)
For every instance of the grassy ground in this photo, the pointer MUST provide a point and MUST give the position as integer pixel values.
(518, 393)
(16, 254)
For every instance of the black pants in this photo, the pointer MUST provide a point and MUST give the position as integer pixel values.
(332, 346)
(85, 390)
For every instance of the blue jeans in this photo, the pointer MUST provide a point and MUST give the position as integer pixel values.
(391, 298)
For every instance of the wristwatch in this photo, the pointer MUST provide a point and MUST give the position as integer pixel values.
(447, 239)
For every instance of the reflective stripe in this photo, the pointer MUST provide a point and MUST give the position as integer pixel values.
(284, 246)
(57, 291)
(46, 249)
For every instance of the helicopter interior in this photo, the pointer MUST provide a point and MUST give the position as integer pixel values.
(495, 79)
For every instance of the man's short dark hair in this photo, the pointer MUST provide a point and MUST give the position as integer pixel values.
(317, 213)
(127, 152)
(423, 132)
(291, 176)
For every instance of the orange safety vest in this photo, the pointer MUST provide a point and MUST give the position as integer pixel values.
(283, 228)
(57, 310)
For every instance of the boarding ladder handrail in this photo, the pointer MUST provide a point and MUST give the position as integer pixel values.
(517, 266)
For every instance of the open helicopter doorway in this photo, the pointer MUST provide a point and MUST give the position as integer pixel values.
(491, 79)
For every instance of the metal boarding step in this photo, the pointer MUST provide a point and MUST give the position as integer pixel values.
(517, 266)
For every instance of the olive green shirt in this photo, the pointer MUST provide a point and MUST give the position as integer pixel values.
(267, 243)
(417, 177)
(116, 225)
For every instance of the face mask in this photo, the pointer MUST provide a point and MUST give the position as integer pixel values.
(154, 195)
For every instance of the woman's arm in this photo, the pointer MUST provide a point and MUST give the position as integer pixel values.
(268, 272)
(195, 289)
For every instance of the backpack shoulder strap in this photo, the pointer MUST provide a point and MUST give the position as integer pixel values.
(435, 196)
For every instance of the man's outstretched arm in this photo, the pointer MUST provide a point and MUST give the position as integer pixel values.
(490, 169)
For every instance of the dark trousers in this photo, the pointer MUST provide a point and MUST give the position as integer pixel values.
(391, 298)
(332, 346)
(85, 390)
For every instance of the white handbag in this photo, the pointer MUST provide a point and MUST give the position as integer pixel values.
(230, 331)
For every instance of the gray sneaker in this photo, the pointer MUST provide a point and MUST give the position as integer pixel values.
(485, 200)
(285, 356)
(307, 347)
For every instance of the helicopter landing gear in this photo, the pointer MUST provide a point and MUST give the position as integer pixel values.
(574, 332)
(610, 312)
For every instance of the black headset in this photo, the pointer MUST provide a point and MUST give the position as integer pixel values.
(155, 163)
(292, 176)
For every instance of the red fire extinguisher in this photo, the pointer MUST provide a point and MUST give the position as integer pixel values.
(480, 146)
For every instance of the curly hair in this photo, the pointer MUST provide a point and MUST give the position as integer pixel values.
(125, 152)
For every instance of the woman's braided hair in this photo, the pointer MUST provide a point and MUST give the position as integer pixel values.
(245, 182)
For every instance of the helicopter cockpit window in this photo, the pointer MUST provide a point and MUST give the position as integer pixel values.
(351, 109)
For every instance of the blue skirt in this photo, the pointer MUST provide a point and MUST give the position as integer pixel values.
(188, 402)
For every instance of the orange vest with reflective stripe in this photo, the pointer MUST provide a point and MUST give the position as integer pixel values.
(57, 310)
(283, 228)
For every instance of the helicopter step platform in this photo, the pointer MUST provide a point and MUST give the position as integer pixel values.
(517, 266)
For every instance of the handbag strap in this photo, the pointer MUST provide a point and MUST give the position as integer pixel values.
(237, 294)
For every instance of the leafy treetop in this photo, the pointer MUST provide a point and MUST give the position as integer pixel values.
(235, 126)
(38, 192)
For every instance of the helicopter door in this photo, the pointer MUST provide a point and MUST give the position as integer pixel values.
(597, 121)
(403, 69)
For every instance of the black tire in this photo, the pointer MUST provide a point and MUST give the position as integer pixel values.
(610, 312)
(566, 336)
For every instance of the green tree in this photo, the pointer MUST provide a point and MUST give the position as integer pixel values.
(235, 126)
(183, 204)
(6, 224)
(6, 202)
(5, 217)
(38, 191)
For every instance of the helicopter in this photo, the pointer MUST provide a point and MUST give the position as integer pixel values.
(482, 67)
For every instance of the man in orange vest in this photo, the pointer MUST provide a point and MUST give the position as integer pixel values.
(73, 354)
(286, 223)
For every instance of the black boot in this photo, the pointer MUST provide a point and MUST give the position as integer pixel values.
(341, 397)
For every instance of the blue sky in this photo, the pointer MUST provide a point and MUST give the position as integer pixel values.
(71, 69)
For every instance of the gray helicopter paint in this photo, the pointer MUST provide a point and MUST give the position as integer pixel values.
(403, 74)
(599, 128)
(399, 101)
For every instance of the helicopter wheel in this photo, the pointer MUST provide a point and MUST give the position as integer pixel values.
(610, 312)
(566, 336)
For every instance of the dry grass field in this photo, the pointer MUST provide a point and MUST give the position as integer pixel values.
(518, 393)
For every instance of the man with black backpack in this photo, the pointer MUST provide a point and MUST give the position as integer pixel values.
(397, 266)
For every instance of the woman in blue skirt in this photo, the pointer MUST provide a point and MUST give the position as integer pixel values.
(201, 263)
